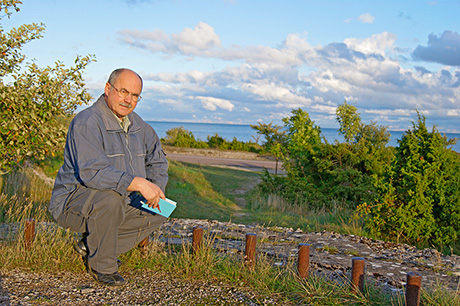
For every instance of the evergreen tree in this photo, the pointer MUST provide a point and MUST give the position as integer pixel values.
(420, 191)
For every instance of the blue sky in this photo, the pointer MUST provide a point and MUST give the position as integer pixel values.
(243, 62)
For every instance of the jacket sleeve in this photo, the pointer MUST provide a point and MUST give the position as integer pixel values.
(85, 142)
(156, 164)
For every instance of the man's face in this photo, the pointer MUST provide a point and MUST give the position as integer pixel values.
(126, 81)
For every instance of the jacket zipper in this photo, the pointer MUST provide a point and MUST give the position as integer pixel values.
(129, 153)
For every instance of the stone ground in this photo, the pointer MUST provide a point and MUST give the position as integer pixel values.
(386, 263)
(330, 255)
(27, 288)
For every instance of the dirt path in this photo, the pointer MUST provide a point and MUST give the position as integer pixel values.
(240, 164)
(245, 161)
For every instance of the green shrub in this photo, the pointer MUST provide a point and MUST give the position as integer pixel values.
(321, 174)
(34, 101)
(419, 191)
(180, 137)
(217, 142)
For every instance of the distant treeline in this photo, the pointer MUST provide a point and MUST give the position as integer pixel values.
(180, 137)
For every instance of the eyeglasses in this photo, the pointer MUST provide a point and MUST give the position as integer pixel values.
(123, 93)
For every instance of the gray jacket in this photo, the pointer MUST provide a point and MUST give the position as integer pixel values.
(100, 155)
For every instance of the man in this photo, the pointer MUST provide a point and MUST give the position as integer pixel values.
(111, 157)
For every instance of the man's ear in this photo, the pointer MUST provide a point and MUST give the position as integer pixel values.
(107, 89)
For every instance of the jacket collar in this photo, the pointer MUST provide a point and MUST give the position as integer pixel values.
(110, 122)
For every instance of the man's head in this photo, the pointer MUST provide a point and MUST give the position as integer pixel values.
(122, 91)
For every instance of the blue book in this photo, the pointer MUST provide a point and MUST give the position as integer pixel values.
(167, 206)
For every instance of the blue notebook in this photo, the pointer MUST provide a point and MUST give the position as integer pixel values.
(166, 206)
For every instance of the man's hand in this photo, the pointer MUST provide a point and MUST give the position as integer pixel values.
(151, 192)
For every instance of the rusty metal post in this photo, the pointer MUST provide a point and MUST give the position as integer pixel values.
(250, 254)
(29, 233)
(413, 284)
(357, 274)
(197, 240)
(303, 261)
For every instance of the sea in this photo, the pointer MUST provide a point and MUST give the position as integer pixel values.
(245, 133)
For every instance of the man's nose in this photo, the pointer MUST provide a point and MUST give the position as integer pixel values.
(129, 98)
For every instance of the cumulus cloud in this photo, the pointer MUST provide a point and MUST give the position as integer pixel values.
(376, 44)
(444, 49)
(211, 103)
(267, 82)
(190, 41)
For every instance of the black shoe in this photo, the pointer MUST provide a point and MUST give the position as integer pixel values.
(114, 279)
(81, 249)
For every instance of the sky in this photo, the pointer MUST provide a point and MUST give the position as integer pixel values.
(243, 62)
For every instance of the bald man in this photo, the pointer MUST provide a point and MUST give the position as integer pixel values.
(111, 158)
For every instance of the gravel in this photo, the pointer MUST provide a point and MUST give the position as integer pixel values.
(29, 288)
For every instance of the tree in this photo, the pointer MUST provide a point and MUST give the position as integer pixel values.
(366, 143)
(303, 142)
(34, 101)
(274, 139)
(420, 191)
(349, 121)
(321, 174)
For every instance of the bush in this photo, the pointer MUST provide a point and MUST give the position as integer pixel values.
(34, 101)
(217, 142)
(180, 137)
(319, 173)
(419, 191)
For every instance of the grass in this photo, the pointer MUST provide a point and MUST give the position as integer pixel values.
(217, 192)
(212, 189)
(204, 193)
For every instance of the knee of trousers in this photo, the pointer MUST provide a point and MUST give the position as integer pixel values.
(87, 204)
(108, 203)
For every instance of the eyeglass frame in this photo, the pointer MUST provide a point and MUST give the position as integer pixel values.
(120, 94)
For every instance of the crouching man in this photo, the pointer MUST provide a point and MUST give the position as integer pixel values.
(111, 156)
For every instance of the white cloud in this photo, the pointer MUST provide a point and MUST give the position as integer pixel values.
(444, 49)
(389, 112)
(366, 18)
(279, 93)
(211, 103)
(202, 37)
(325, 109)
(266, 82)
(194, 41)
(376, 44)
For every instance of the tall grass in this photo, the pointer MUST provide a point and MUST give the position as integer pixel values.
(271, 210)
(24, 195)
(267, 279)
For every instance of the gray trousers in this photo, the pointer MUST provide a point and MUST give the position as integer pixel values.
(112, 227)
